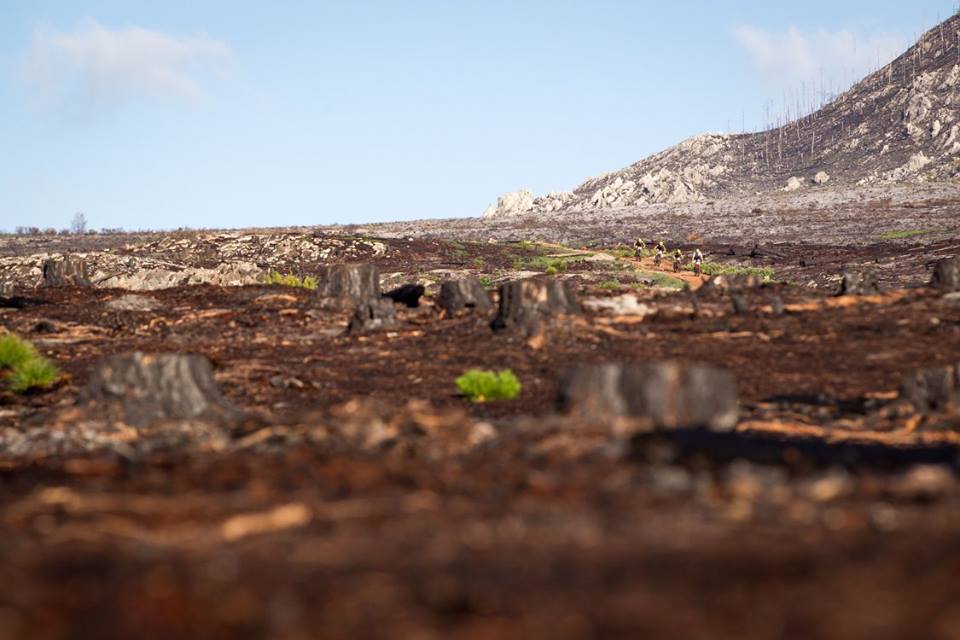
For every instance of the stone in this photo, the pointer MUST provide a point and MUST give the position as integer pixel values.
(511, 204)
(133, 302)
(793, 184)
(408, 295)
(720, 285)
(463, 295)
(858, 284)
(68, 271)
(946, 275)
(934, 389)
(358, 282)
(526, 304)
(140, 389)
(668, 394)
(821, 178)
(373, 314)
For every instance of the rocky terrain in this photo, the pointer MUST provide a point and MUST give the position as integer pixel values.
(261, 434)
(899, 125)
(225, 458)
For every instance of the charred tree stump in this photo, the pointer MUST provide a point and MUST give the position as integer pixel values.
(68, 271)
(669, 395)
(465, 294)
(354, 282)
(526, 304)
(141, 389)
(858, 284)
(931, 390)
(373, 314)
(721, 285)
(946, 275)
(408, 295)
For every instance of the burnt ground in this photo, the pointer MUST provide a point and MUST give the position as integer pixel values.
(362, 497)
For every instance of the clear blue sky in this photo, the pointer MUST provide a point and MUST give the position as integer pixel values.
(224, 113)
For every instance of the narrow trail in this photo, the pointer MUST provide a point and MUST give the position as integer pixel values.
(666, 267)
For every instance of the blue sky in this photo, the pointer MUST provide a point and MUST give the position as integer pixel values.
(233, 114)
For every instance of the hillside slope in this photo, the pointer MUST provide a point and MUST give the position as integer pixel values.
(900, 124)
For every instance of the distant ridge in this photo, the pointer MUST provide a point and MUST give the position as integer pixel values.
(899, 124)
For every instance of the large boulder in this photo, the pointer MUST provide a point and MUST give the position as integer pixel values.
(933, 389)
(140, 389)
(357, 282)
(514, 203)
(68, 271)
(526, 304)
(946, 275)
(460, 295)
(669, 395)
(858, 284)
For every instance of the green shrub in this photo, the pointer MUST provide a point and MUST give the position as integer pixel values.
(718, 269)
(485, 386)
(661, 280)
(553, 265)
(611, 285)
(904, 235)
(25, 369)
(14, 352)
(290, 280)
(551, 271)
(36, 374)
(486, 282)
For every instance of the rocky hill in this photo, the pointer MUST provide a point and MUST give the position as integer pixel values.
(900, 124)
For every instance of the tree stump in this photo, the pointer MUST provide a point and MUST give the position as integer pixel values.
(373, 314)
(946, 275)
(526, 304)
(141, 389)
(408, 295)
(931, 390)
(858, 284)
(355, 282)
(668, 394)
(461, 295)
(68, 271)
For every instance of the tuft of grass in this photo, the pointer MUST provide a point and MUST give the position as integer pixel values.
(290, 280)
(15, 352)
(610, 285)
(36, 374)
(718, 269)
(553, 265)
(661, 280)
(903, 235)
(486, 282)
(26, 370)
(486, 386)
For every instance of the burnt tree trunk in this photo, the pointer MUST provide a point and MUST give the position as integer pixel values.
(349, 282)
(141, 389)
(461, 295)
(526, 304)
(946, 275)
(669, 395)
(68, 271)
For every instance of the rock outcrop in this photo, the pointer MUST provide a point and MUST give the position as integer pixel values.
(900, 124)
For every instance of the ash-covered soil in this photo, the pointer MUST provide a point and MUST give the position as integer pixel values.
(355, 494)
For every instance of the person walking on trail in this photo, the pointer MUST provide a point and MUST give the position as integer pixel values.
(677, 260)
